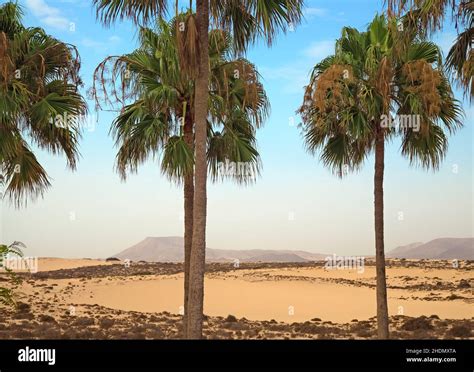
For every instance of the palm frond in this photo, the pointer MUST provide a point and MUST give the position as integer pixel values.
(251, 19)
(351, 93)
(109, 11)
(178, 159)
(425, 149)
(160, 93)
(39, 82)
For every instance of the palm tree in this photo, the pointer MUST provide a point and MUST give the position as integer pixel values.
(38, 83)
(246, 20)
(428, 16)
(160, 120)
(348, 106)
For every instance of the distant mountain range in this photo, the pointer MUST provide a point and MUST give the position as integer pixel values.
(171, 249)
(441, 249)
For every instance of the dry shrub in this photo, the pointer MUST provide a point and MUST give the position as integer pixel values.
(5, 61)
(188, 44)
(384, 80)
(414, 324)
(330, 86)
(460, 330)
(423, 81)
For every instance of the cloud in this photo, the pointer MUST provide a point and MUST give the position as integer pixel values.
(314, 12)
(292, 79)
(89, 43)
(114, 39)
(320, 50)
(99, 45)
(79, 3)
(48, 15)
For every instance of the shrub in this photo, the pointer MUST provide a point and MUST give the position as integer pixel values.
(6, 295)
(460, 330)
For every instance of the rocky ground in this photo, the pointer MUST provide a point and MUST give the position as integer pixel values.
(39, 321)
(145, 268)
(40, 317)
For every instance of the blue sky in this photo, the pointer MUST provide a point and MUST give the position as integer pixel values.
(296, 204)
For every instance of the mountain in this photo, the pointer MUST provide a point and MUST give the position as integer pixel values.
(171, 249)
(441, 249)
(278, 257)
(401, 251)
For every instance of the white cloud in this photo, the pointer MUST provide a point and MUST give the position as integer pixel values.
(98, 44)
(89, 43)
(320, 50)
(292, 79)
(295, 76)
(114, 39)
(79, 3)
(314, 12)
(49, 15)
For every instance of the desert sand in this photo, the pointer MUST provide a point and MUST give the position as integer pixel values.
(284, 294)
(50, 264)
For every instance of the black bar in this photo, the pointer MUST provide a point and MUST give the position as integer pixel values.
(242, 355)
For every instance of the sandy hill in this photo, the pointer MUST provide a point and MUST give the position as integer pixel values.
(441, 249)
(171, 249)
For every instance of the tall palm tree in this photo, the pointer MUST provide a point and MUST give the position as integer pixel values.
(247, 20)
(428, 16)
(39, 83)
(160, 120)
(349, 104)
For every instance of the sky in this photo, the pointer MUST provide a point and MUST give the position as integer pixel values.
(296, 203)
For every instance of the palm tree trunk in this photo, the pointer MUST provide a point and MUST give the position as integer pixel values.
(382, 307)
(198, 250)
(188, 218)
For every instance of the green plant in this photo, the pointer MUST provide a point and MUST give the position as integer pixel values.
(7, 297)
(428, 16)
(39, 82)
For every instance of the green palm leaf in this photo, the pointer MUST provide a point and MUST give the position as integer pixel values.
(39, 82)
